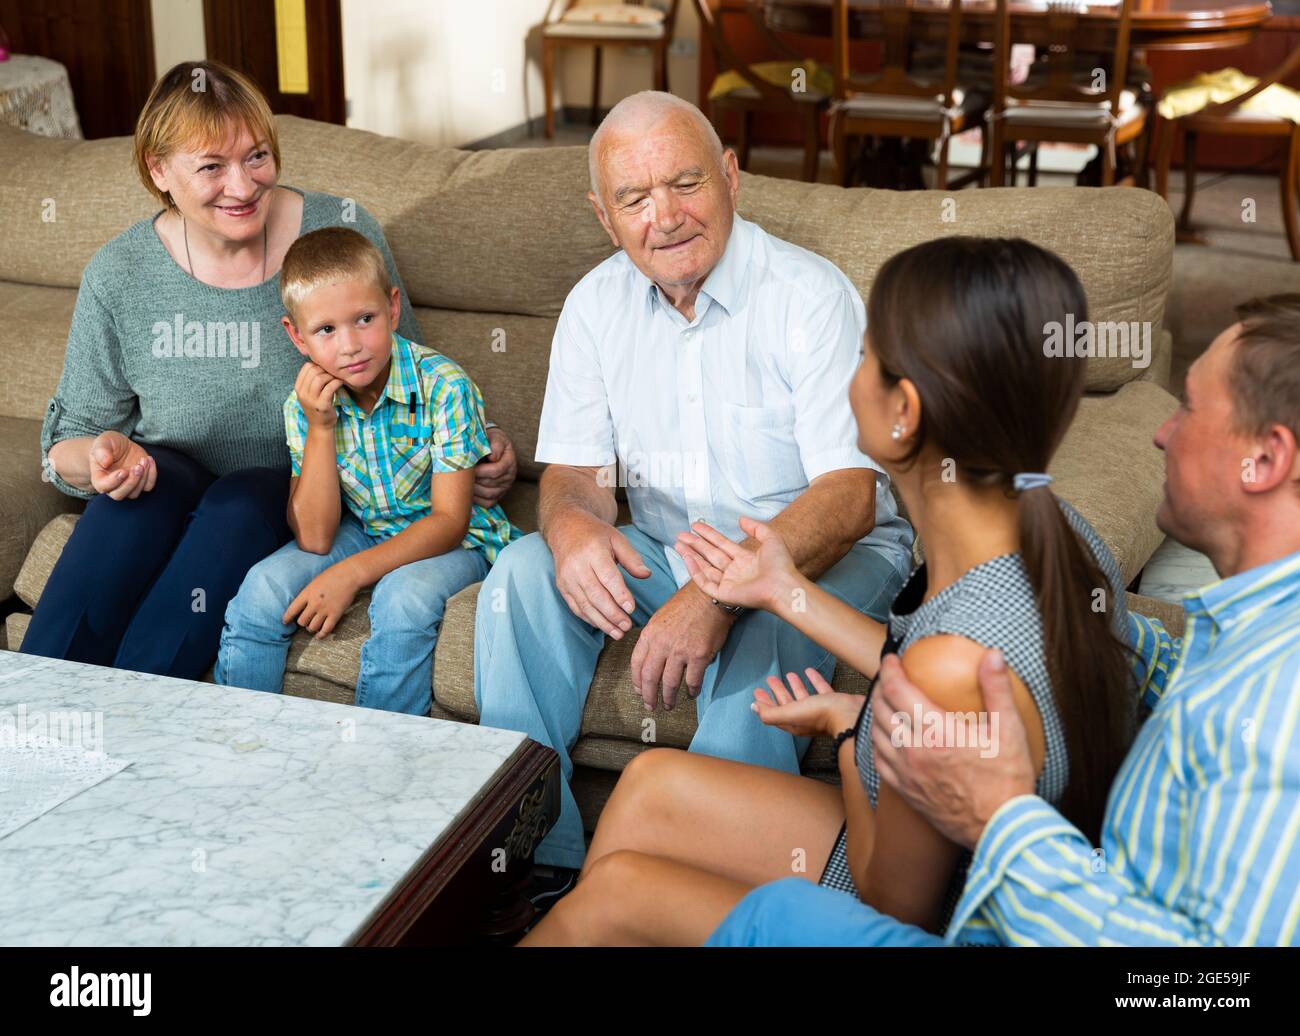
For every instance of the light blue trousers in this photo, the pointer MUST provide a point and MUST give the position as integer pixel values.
(406, 609)
(795, 912)
(534, 660)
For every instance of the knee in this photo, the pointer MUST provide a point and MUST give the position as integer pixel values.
(399, 605)
(611, 872)
(649, 768)
(518, 570)
(650, 777)
(263, 596)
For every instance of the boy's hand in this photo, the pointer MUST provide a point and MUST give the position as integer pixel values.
(323, 601)
(316, 387)
(120, 468)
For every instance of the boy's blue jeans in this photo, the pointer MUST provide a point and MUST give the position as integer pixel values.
(406, 609)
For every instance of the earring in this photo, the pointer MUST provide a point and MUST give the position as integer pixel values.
(896, 432)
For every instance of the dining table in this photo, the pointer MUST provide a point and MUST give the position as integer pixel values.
(1156, 24)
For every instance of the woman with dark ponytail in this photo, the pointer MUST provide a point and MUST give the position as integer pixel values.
(959, 400)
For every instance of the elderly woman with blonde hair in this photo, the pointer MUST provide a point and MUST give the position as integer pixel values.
(168, 415)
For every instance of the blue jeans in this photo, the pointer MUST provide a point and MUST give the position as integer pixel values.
(406, 609)
(534, 660)
(795, 912)
(142, 584)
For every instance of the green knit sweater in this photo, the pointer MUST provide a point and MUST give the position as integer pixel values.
(168, 360)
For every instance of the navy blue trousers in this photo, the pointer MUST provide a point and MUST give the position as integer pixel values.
(143, 584)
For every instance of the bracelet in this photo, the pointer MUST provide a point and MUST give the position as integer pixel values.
(730, 609)
(851, 732)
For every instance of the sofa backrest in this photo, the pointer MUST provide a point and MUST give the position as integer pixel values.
(489, 243)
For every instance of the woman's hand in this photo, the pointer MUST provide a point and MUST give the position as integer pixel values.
(495, 473)
(737, 574)
(120, 468)
(823, 713)
(316, 387)
(323, 601)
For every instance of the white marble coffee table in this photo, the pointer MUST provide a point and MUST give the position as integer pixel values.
(257, 819)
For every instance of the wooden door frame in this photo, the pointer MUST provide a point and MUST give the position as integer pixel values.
(223, 22)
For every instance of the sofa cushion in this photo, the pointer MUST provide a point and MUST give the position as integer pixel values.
(36, 320)
(1108, 468)
(60, 201)
(28, 503)
(506, 231)
(507, 356)
(1118, 240)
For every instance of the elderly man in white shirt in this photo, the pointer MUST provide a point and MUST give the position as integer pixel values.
(705, 367)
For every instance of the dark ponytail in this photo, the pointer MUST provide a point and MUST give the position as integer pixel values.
(965, 320)
(1091, 676)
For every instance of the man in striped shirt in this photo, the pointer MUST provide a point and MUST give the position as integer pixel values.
(1201, 838)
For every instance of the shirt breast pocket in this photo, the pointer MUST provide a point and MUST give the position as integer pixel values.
(762, 455)
(411, 459)
(354, 476)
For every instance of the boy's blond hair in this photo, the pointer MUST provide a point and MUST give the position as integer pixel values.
(328, 256)
(197, 104)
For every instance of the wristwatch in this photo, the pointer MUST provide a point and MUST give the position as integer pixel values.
(730, 609)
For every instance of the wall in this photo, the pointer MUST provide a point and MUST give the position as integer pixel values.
(441, 72)
(177, 32)
(450, 72)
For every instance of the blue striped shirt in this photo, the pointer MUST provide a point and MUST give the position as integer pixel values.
(1201, 837)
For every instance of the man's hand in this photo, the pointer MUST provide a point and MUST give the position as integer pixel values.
(316, 387)
(323, 601)
(956, 789)
(587, 554)
(680, 640)
(495, 474)
(824, 713)
(120, 468)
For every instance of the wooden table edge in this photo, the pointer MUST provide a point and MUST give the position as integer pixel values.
(528, 788)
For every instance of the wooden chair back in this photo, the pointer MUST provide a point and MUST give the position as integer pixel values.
(1062, 54)
(899, 20)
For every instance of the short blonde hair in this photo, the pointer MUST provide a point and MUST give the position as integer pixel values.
(197, 104)
(328, 256)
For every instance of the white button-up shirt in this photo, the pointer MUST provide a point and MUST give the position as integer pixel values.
(733, 413)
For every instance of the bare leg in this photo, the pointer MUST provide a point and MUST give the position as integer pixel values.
(747, 823)
(631, 899)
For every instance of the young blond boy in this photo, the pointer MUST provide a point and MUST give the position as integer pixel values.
(383, 436)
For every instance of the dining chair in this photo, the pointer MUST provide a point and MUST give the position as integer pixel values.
(1058, 104)
(792, 85)
(896, 103)
(1230, 118)
(637, 23)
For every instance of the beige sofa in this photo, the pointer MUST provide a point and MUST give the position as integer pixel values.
(491, 242)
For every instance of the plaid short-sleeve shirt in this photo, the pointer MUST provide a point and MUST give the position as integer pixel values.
(429, 419)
